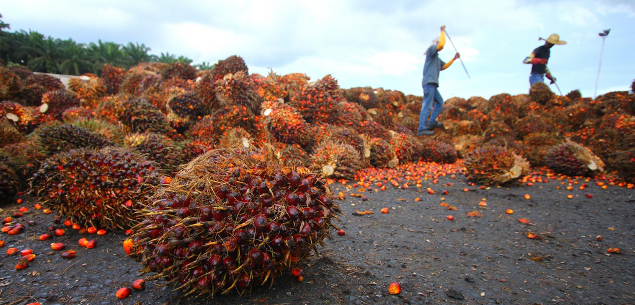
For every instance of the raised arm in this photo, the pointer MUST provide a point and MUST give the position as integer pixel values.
(449, 63)
(531, 59)
(441, 42)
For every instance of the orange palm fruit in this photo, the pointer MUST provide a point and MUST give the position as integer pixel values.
(68, 254)
(394, 288)
(23, 262)
(385, 210)
(83, 242)
(92, 230)
(127, 245)
(139, 284)
(58, 246)
(90, 244)
(122, 293)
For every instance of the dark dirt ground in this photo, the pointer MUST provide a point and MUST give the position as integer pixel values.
(484, 260)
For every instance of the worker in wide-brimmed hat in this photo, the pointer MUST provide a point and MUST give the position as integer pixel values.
(538, 60)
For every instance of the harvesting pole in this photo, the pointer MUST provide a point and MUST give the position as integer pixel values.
(603, 34)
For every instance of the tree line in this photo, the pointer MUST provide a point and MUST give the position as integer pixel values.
(53, 55)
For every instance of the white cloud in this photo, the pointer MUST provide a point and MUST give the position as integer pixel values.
(578, 16)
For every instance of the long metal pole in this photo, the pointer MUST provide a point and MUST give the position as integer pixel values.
(597, 80)
(450, 39)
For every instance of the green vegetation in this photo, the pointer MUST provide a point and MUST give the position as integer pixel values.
(54, 55)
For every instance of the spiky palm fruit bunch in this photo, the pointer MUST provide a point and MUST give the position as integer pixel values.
(454, 109)
(23, 118)
(294, 82)
(54, 138)
(228, 65)
(269, 88)
(616, 102)
(380, 152)
(103, 188)
(578, 115)
(205, 86)
(437, 151)
(348, 114)
(344, 134)
(498, 129)
(90, 92)
(9, 134)
(394, 100)
(540, 93)
(532, 124)
(363, 96)
(50, 83)
(112, 107)
(408, 119)
(205, 131)
(76, 113)
(290, 154)
(316, 101)
(237, 89)
(537, 145)
(157, 148)
(413, 103)
(27, 156)
(495, 165)
(112, 77)
(500, 107)
(385, 118)
(184, 107)
(574, 95)
(235, 138)
(140, 115)
(573, 159)
(137, 82)
(11, 84)
(406, 147)
(179, 70)
(464, 127)
(373, 129)
(614, 133)
(466, 143)
(284, 124)
(230, 117)
(55, 102)
(624, 163)
(250, 219)
(336, 159)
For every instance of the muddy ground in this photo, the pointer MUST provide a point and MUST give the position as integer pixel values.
(470, 260)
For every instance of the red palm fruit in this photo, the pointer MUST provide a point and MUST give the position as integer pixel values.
(83, 241)
(26, 252)
(123, 293)
(58, 246)
(1, 243)
(23, 209)
(44, 236)
(139, 284)
(394, 288)
(12, 251)
(68, 254)
(92, 230)
(30, 257)
(13, 231)
(23, 262)
(76, 226)
(341, 232)
(90, 244)
(101, 232)
(68, 223)
(59, 232)
(296, 272)
(127, 245)
(6, 229)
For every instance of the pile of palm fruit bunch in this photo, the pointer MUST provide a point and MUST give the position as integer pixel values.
(233, 219)
(570, 134)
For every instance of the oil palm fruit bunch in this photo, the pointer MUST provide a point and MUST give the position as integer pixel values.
(205, 131)
(384, 117)
(613, 133)
(336, 159)
(27, 156)
(500, 106)
(230, 117)
(104, 188)
(186, 104)
(453, 109)
(573, 159)
(9, 182)
(137, 81)
(55, 102)
(179, 70)
(531, 124)
(466, 143)
(23, 117)
(373, 129)
(232, 220)
(624, 163)
(11, 84)
(394, 100)
(406, 147)
(381, 153)
(294, 82)
(237, 89)
(316, 100)
(157, 148)
(465, 127)
(495, 165)
(9, 134)
(437, 151)
(364, 96)
(574, 95)
(537, 145)
(90, 91)
(140, 115)
(348, 114)
(55, 137)
(50, 83)
(111, 107)
(284, 124)
(291, 154)
(235, 138)
(346, 135)
(540, 93)
(270, 87)
(112, 77)
(228, 65)
(76, 113)
(204, 86)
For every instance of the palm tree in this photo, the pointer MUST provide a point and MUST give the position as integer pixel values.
(44, 55)
(75, 60)
(183, 59)
(205, 66)
(136, 54)
(3, 39)
(106, 53)
(167, 58)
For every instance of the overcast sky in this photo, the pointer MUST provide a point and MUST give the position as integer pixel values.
(364, 43)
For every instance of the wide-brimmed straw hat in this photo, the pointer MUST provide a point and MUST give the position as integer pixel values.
(555, 39)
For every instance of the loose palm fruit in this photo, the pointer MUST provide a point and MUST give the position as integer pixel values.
(123, 293)
(139, 284)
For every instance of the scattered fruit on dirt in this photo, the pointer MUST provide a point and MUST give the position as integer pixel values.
(44, 236)
(394, 288)
(527, 196)
(101, 232)
(23, 262)
(68, 254)
(613, 250)
(524, 220)
(533, 236)
(598, 238)
(59, 232)
(341, 232)
(450, 217)
(127, 245)
(58, 246)
(12, 251)
(139, 284)
(83, 242)
(385, 210)
(509, 211)
(90, 244)
(123, 293)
